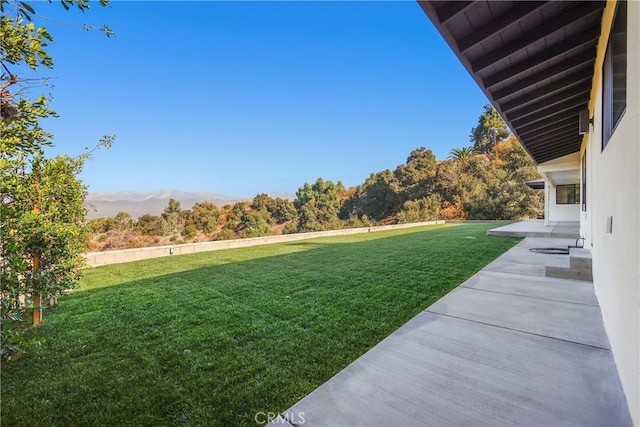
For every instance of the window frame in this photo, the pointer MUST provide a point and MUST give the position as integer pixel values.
(583, 184)
(609, 69)
(575, 192)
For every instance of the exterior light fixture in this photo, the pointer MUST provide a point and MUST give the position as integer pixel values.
(585, 121)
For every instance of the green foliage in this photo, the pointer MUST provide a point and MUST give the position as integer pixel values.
(262, 201)
(172, 217)
(377, 198)
(245, 221)
(463, 154)
(448, 177)
(468, 185)
(420, 166)
(204, 217)
(319, 205)
(173, 207)
(189, 231)
(510, 200)
(280, 210)
(511, 155)
(358, 222)
(123, 220)
(151, 225)
(20, 128)
(234, 217)
(42, 200)
(384, 194)
(477, 186)
(425, 209)
(23, 43)
(254, 223)
(494, 188)
(98, 225)
(490, 130)
(416, 177)
(290, 227)
(225, 234)
(42, 215)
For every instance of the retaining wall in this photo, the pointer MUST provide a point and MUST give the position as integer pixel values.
(95, 259)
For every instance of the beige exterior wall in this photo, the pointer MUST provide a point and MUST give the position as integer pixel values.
(560, 171)
(614, 191)
(585, 215)
(561, 212)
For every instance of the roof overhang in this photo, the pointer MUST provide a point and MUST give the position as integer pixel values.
(561, 171)
(533, 60)
(536, 185)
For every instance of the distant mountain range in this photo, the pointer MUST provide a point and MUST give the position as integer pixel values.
(137, 203)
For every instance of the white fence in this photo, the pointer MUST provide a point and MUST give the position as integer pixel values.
(95, 259)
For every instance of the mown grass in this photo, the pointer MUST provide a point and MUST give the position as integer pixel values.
(214, 338)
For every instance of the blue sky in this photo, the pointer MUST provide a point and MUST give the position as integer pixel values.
(248, 97)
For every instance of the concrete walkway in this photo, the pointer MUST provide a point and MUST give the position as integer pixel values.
(508, 347)
(536, 228)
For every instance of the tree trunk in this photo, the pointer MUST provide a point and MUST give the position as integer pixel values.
(37, 300)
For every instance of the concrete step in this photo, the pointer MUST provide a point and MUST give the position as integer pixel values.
(577, 265)
(580, 258)
(558, 266)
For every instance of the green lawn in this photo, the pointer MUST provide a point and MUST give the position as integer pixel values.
(213, 338)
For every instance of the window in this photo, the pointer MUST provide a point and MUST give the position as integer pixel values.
(584, 181)
(568, 194)
(614, 74)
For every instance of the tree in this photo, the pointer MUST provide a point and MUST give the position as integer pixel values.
(254, 223)
(424, 209)
(279, 209)
(416, 177)
(123, 221)
(42, 230)
(189, 231)
(59, 195)
(244, 221)
(490, 130)
(98, 225)
(523, 201)
(283, 210)
(262, 201)
(452, 211)
(462, 154)
(43, 234)
(234, 216)
(319, 205)
(205, 217)
(476, 184)
(377, 198)
(511, 155)
(171, 215)
(448, 175)
(150, 225)
(173, 207)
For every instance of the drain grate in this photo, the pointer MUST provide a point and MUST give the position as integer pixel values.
(551, 251)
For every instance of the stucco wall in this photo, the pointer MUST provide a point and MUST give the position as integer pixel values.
(95, 259)
(561, 212)
(614, 181)
(585, 215)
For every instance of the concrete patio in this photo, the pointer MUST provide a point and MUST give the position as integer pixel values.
(537, 228)
(507, 347)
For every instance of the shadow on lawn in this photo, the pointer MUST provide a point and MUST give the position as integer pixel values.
(215, 345)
